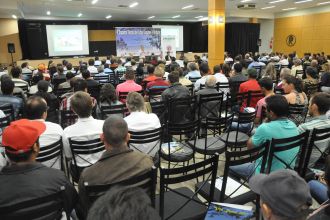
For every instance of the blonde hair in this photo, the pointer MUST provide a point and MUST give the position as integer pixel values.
(159, 72)
(135, 102)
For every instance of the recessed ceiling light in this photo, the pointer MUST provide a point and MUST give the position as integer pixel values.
(277, 1)
(133, 4)
(48, 13)
(288, 9)
(188, 6)
(151, 17)
(243, 1)
(299, 2)
(176, 16)
(323, 3)
(109, 16)
(79, 15)
(268, 7)
(94, 2)
(14, 16)
(199, 16)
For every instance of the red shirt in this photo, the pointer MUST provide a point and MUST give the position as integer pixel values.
(150, 78)
(250, 85)
(158, 83)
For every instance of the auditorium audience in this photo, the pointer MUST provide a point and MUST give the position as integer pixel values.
(204, 71)
(151, 74)
(293, 88)
(120, 68)
(297, 66)
(284, 61)
(266, 85)
(182, 79)
(60, 73)
(117, 163)
(129, 85)
(256, 63)
(250, 85)
(66, 85)
(193, 71)
(159, 82)
(270, 71)
(284, 72)
(176, 90)
(16, 73)
(91, 83)
(236, 75)
(91, 68)
(325, 78)
(312, 79)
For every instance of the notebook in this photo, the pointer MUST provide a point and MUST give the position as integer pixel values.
(225, 211)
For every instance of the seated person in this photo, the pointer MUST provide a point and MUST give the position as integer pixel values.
(108, 97)
(312, 79)
(91, 83)
(66, 85)
(27, 178)
(151, 74)
(277, 111)
(129, 85)
(204, 70)
(266, 85)
(50, 98)
(139, 120)
(325, 78)
(117, 163)
(193, 71)
(283, 195)
(176, 90)
(35, 79)
(159, 82)
(16, 73)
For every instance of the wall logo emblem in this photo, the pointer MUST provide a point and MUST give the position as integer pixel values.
(291, 40)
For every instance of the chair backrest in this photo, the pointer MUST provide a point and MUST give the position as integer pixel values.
(145, 137)
(155, 94)
(181, 110)
(58, 81)
(146, 181)
(218, 125)
(102, 79)
(194, 79)
(50, 152)
(122, 96)
(318, 135)
(68, 117)
(258, 155)
(159, 109)
(183, 128)
(94, 91)
(8, 110)
(47, 207)
(254, 95)
(107, 110)
(4, 122)
(222, 85)
(61, 91)
(174, 176)
(299, 73)
(210, 105)
(297, 113)
(191, 89)
(25, 88)
(279, 147)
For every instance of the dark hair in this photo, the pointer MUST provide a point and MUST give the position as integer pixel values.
(37, 77)
(204, 68)
(255, 58)
(81, 104)
(252, 73)
(35, 107)
(266, 83)
(115, 130)
(108, 94)
(277, 104)
(174, 67)
(226, 69)
(312, 72)
(238, 67)
(69, 75)
(216, 69)
(18, 157)
(123, 203)
(79, 85)
(86, 74)
(150, 69)
(173, 77)
(69, 66)
(322, 100)
(60, 69)
(25, 64)
(244, 64)
(296, 82)
(129, 75)
(43, 85)
(91, 62)
(7, 85)
(16, 72)
(64, 62)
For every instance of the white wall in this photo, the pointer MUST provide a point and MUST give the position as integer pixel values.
(266, 33)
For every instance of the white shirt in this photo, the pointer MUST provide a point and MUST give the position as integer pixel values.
(26, 70)
(97, 62)
(128, 64)
(83, 130)
(221, 78)
(199, 82)
(92, 69)
(52, 134)
(228, 59)
(284, 62)
(142, 121)
(34, 89)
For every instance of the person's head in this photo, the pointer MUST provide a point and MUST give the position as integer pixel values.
(86, 74)
(210, 81)
(252, 73)
(24, 65)
(159, 72)
(108, 93)
(37, 77)
(192, 66)
(284, 72)
(118, 200)
(284, 195)
(36, 108)
(42, 67)
(216, 69)
(21, 140)
(226, 69)
(151, 69)
(16, 72)
(296, 62)
(326, 67)
(69, 66)
(319, 104)
(204, 69)
(100, 69)
(277, 107)
(69, 75)
(238, 67)
(81, 104)
(115, 132)
(7, 85)
(129, 75)
(266, 85)
(314, 63)
(79, 85)
(255, 58)
(43, 86)
(173, 77)
(291, 83)
(64, 62)
(60, 69)
(91, 62)
(312, 72)
(133, 62)
(135, 102)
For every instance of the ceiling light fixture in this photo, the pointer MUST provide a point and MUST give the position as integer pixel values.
(268, 7)
(109, 16)
(133, 4)
(48, 13)
(299, 2)
(243, 1)
(188, 6)
(79, 15)
(203, 19)
(323, 3)
(288, 9)
(151, 17)
(176, 16)
(94, 2)
(277, 1)
(199, 16)
(14, 16)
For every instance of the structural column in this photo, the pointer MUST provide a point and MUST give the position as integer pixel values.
(216, 32)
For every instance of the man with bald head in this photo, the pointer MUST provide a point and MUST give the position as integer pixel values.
(118, 162)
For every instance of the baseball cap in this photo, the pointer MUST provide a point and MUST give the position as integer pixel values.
(286, 193)
(20, 135)
(42, 67)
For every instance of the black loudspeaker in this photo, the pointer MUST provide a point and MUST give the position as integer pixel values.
(11, 48)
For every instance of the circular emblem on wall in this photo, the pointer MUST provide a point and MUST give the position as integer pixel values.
(291, 40)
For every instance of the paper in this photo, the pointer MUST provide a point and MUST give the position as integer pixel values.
(174, 147)
(231, 186)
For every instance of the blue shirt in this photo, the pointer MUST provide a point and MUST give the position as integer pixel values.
(15, 101)
(278, 129)
(193, 74)
(255, 63)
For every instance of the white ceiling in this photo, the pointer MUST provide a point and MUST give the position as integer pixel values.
(163, 10)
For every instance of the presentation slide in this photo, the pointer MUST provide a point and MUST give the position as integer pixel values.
(67, 40)
(171, 30)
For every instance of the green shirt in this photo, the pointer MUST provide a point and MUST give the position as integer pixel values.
(278, 129)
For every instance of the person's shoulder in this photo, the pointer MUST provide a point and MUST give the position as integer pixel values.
(143, 158)
(54, 126)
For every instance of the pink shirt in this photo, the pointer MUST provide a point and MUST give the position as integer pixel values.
(260, 104)
(128, 86)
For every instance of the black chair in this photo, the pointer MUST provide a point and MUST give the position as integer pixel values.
(209, 105)
(8, 110)
(154, 94)
(122, 96)
(279, 91)
(4, 122)
(160, 110)
(57, 81)
(181, 110)
(278, 146)
(191, 89)
(258, 68)
(59, 92)
(182, 203)
(223, 87)
(25, 88)
(107, 110)
(297, 113)
(102, 79)
(52, 153)
(80, 149)
(299, 73)
(194, 79)
(47, 207)
(254, 95)
(146, 181)
(238, 193)
(68, 117)
(94, 91)
(119, 77)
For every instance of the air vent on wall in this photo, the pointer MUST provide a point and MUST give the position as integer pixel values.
(246, 6)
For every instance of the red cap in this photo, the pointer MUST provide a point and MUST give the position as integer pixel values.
(20, 135)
